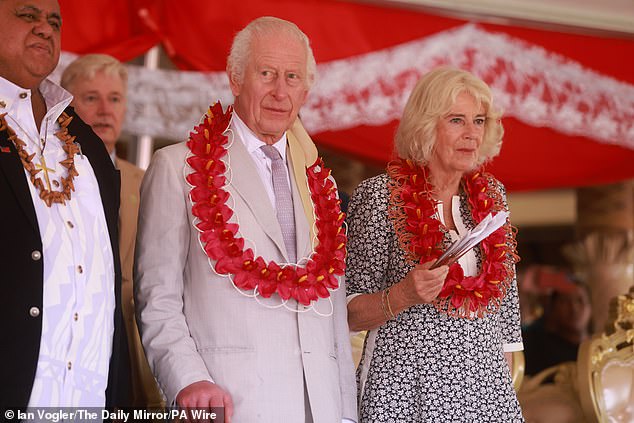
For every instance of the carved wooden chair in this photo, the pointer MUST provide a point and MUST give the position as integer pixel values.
(606, 367)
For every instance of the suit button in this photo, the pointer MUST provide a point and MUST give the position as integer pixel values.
(34, 311)
(36, 255)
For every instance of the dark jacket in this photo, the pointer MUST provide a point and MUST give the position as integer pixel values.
(21, 271)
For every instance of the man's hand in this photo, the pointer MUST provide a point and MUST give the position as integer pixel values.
(205, 395)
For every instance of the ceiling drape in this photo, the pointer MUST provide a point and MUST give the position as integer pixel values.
(568, 98)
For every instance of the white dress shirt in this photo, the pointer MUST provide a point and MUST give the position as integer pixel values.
(262, 162)
(78, 297)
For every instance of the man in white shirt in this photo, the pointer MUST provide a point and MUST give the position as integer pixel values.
(60, 308)
(255, 321)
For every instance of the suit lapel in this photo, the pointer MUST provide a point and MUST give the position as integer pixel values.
(246, 182)
(126, 213)
(14, 171)
(107, 176)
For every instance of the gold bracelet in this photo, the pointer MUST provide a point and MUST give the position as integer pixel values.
(387, 301)
(385, 305)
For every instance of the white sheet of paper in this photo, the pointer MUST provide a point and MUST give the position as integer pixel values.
(471, 238)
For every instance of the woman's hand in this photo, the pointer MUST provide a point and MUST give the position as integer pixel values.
(420, 286)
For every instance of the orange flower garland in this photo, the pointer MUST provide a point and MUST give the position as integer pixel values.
(221, 239)
(69, 146)
(412, 211)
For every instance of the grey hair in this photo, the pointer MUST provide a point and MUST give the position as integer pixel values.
(266, 25)
(87, 66)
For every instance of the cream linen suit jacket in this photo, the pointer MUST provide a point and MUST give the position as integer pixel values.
(196, 326)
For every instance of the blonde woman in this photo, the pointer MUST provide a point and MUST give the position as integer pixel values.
(437, 338)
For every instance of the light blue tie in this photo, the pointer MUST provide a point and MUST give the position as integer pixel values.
(283, 200)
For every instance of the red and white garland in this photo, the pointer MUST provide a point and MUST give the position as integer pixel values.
(412, 211)
(221, 239)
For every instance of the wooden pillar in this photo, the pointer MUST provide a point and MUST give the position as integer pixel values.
(606, 209)
(604, 256)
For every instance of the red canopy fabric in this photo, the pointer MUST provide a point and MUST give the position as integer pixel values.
(537, 153)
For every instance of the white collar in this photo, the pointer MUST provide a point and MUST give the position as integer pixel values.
(461, 227)
(56, 98)
(251, 141)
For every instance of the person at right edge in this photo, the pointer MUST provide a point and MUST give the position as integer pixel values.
(437, 338)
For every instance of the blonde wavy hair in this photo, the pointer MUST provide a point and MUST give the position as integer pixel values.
(432, 98)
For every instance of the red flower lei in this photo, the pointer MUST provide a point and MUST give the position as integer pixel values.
(412, 210)
(221, 240)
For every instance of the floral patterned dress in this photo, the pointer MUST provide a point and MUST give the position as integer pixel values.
(425, 366)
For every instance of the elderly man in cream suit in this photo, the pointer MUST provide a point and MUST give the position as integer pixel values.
(211, 338)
